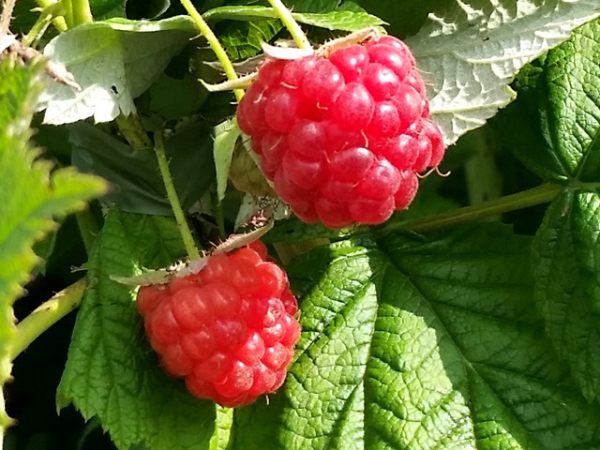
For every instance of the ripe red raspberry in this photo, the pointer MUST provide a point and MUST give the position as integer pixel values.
(343, 137)
(228, 330)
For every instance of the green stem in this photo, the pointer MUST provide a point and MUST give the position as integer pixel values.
(68, 7)
(38, 29)
(47, 315)
(133, 131)
(57, 12)
(214, 43)
(184, 228)
(293, 27)
(88, 228)
(531, 197)
(82, 13)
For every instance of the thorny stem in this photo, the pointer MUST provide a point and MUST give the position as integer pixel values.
(289, 251)
(38, 29)
(184, 228)
(46, 315)
(214, 43)
(8, 7)
(531, 197)
(290, 23)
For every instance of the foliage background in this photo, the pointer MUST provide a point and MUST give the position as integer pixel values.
(510, 336)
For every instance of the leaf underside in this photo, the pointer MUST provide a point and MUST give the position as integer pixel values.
(468, 53)
(114, 62)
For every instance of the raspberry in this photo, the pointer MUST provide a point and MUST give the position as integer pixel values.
(343, 137)
(228, 330)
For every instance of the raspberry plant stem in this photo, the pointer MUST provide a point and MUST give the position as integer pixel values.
(46, 315)
(68, 14)
(51, 7)
(290, 23)
(214, 43)
(184, 228)
(531, 197)
(6, 15)
(82, 13)
(223, 424)
(38, 29)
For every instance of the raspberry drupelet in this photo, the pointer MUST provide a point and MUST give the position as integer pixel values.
(343, 138)
(229, 330)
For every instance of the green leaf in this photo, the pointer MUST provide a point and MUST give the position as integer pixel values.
(317, 6)
(111, 371)
(226, 135)
(332, 20)
(102, 8)
(340, 20)
(567, 285)
(114, 62)
(404, 18)
(32, 196)
(469, 53)
(134, 174)
(242, 40)
(428, 343)
(44, 249)
(147, 9)
(557, 115)
(175, 98)
(294, 230)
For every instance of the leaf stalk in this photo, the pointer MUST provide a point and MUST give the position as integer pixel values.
(184, 229)
(46, 315)
(531, 197)
(38, 29)
(68, 12)
(56, 10)
(290, 23)
(82, 13)
(214, 43)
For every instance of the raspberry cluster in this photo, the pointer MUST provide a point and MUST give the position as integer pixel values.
(228, 330)
(343, 137)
